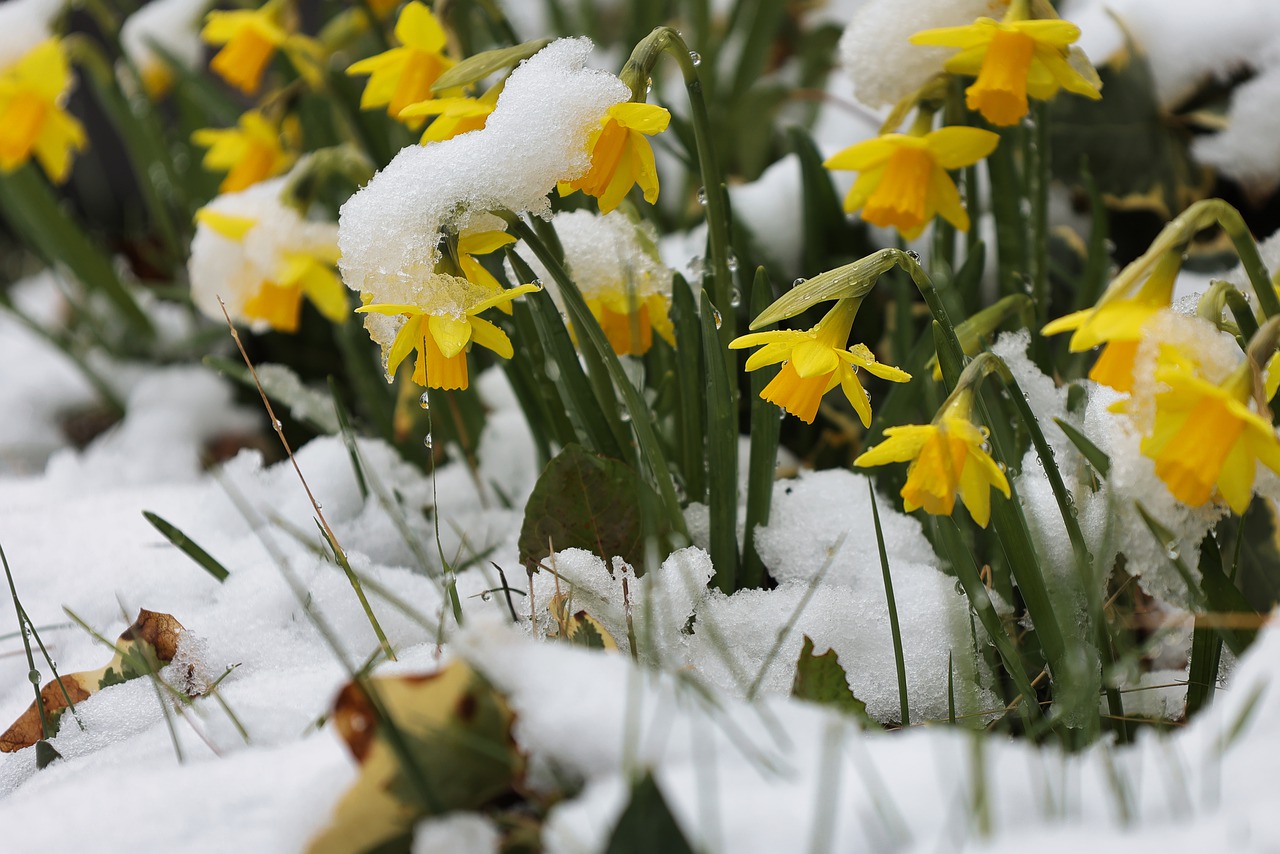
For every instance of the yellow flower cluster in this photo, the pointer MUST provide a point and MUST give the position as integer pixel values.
(33, 121)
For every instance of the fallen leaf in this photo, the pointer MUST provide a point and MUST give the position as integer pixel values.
(146, 646)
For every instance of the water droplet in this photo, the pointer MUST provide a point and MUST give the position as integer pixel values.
(276, 425)
(732, 263)
(425, 401)
(1001, 466)
(1171, 550)
(486, 596)
(715, 315)
(913, 255)
(648, 86)
(553, 371)
(34, 676)
(695, 58)
(319, 506)
(959, 589)
(702, 196)
(735, 297)
(798, 282)
(986, 433)
(986, 448)
(782, 413)
(624, 415)
(427, 441)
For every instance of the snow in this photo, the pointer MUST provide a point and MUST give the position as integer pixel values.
(172, 25)
(23, 25)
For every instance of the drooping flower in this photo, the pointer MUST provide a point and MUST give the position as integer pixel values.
(614, 263)
(948, 458)
(404, 75)
(33, 121)
(1206, 437)
(443, 327)
(1117, 321)
(170, 25)
(249, 38)
(1012, 59)
(261, 258)
(250, 152)
(904, 181)
(815, 361)
(454, 116)
(621, 156)
(482, 242)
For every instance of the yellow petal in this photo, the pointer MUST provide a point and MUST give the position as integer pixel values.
(451, 335)
(957, 147)
(418, 28)
(648, 119)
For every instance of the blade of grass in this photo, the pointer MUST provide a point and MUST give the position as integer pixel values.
(187, 546)
(904, 708)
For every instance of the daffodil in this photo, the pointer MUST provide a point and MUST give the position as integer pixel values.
(815, 361)
(1012, 59)
(259, 257)
(1117, 321)
(404, 75)
(471, 244)
(442, 330)
(621, 156)
(904, 181)
(948, 458)
(249, 38)
(160, 34)
(454, 116)
(250, 152)
(1206, 437)
(33, 121)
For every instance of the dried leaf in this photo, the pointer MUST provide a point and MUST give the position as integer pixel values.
(580, 629)
(146, 646)
(820, 678)
(427, 745)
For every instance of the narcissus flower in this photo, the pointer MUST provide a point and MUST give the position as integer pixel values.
(471, 244)
(815, 361)
(250, 152)
(1012, 59)
(1117, 321)
(32, 119)
(948, 458)
(1206, 436)
(171, 26)
(404, 75)
(249, 38)
(904, 181)
(443, 328)
(261, 258)
(621, 156)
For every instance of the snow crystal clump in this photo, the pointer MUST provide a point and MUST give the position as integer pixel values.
(236, 270)
(173, 26)
(23, 25)
(455, 832)
(812, 513)
(389, 232)
(879, 58)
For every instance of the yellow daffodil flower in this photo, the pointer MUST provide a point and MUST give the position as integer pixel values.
(482, 243)
(816, 361)
(404, 75)
(1012, 59)
(904, 181)
(32, 119)
(1206, 437)
(621, 156)
(298, 273)
(250, 152)
(629, 320)
(249, 38)
(1117, 321)
(454, 116)
(948, 458)
(441, 334)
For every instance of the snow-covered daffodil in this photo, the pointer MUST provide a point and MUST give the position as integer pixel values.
(471, 244)
(948, 458)
(1012, 59)
(904, 181)
(1117, 321)
(33, 121)
(815, 361)
(1206, 437)
(454, 116)
(250, 152)
(621, 156)
(404, 75)
(443, 328)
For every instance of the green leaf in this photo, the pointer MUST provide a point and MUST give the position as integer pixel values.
(475, 68)
(762, 466)
(821, 679)
(585, 501)
(722, 453)
(1096, 457)
(203, 559)
(647, 825)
